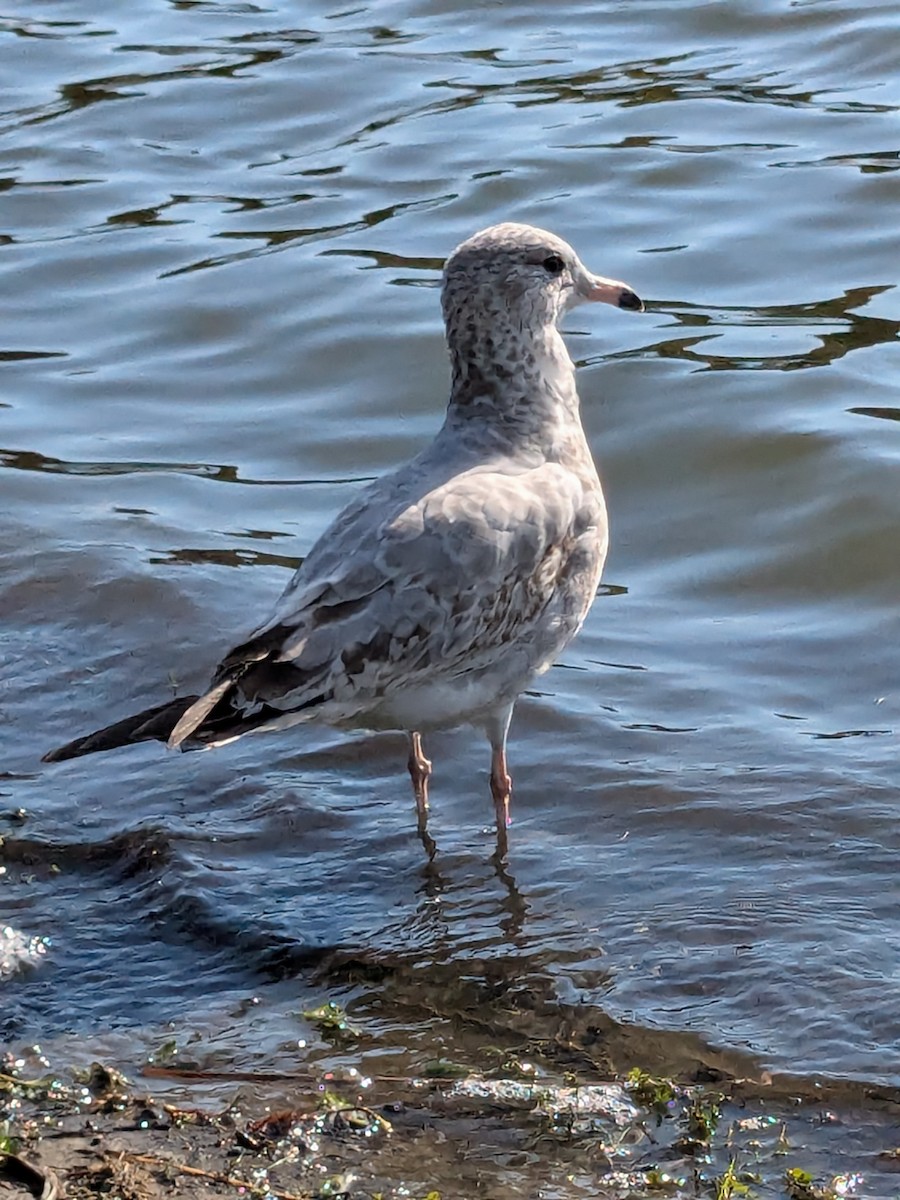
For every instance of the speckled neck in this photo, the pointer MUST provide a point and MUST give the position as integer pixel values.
(522, 378)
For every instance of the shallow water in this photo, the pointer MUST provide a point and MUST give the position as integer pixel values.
(220, 237)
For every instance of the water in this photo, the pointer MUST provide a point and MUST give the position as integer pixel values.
(221, 233)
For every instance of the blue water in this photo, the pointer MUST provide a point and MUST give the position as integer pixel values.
(219, 242)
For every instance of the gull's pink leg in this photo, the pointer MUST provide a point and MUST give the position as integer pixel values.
(419, 772)
(501, 784)
(501, 787)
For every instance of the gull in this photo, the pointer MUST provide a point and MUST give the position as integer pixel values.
(445, 587)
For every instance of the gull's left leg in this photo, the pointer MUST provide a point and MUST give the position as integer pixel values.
(496, 729)
(419, 772)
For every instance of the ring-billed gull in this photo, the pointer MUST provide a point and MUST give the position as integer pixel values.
(444, 588)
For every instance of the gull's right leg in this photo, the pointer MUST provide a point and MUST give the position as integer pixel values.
(419, 772)
(497, 728)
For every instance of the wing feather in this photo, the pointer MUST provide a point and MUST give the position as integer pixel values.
(405, 585)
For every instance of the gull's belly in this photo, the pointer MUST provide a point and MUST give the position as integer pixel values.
(449, 700)
(445, 697)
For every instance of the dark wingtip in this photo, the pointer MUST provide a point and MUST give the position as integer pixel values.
(73, 749)
(154, 724)
(61, 753)
(631, 300)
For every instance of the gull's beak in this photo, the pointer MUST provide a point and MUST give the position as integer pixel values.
(609, 291)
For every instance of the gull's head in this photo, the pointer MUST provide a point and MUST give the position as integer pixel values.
(524, 276)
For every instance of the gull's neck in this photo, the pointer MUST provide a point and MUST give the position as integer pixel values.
(517, 379)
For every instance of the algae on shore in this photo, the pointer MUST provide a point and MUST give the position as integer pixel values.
(322, 1134)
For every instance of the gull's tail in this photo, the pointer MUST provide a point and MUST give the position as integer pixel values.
(238, 702)
(151, 725)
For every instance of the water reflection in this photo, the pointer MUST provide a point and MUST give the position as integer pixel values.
(875, 162)
(278, 239)
(32, 460)
(856, 331)
(237, 557)
(49, 30)
(27, 355)
(384, 260)
(438, 886)
(655, 81)
(884, 414)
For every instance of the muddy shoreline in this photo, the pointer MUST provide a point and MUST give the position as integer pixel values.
(491, 1091)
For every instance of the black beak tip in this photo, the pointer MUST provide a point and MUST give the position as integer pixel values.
(631, 300)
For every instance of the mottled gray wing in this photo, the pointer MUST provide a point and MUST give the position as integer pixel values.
(396, 591)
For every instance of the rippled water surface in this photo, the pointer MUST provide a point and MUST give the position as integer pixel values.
(221, 227)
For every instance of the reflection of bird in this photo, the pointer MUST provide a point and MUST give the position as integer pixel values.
(444, 588)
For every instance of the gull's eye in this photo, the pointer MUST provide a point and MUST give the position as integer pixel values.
(554, 264)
